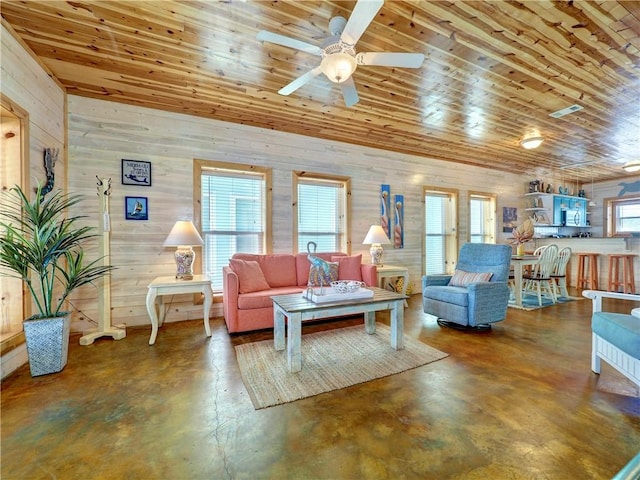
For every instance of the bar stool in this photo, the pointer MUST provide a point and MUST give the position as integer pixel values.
(628, 283)
(587, 271)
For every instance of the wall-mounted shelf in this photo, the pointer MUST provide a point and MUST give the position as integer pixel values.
(539, 194)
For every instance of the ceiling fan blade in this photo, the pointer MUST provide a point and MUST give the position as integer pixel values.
(363, 14)
(278, 39)
(349, 92)
(300, 81)
(387, 59)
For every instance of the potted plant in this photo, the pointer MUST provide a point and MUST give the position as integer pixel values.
(42, 247)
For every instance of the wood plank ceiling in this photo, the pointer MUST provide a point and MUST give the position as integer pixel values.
(494, 71)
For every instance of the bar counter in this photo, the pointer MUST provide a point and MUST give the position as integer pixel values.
(600, 245)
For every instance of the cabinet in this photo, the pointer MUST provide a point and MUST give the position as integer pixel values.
(557, 211)
(569, 211)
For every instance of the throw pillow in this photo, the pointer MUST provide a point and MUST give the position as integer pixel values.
(461, 278)
(636, 312)
(250, 275)
(349, 268)
(318, 274)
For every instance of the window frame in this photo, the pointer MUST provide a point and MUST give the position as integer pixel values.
(15, 288)
(451, 238)
(202, 166)
(610, 208)
(490, 234)
(299, 177)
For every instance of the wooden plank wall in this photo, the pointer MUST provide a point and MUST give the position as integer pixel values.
(26, 86)
(25, 83)
(102, 133)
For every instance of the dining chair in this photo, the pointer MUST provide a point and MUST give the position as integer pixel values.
(526, 270)
(539, 278)
(559, 274)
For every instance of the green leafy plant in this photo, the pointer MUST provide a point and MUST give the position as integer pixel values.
(43, 248)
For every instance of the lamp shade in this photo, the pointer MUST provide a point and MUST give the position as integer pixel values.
(376, 234)
(338, 66)
(183, 233)
(632, 166)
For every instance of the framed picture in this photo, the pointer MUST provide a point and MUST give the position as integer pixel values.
(398, 230)
(385, 209)
(136, 208)
(509, 219)
(136, 172)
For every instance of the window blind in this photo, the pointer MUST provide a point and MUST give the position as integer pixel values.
(481, 219)
(233, 218)
(321, 214)
(435, 233)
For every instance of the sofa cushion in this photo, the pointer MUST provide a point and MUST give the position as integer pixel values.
(303, 265)
(318, 276)
(636, 312)
(349, 268)
(279, 268)
(619, 329)
(262, 299)
(250, 276)
(456, 295)
(461, 278)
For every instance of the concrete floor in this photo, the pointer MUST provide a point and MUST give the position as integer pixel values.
(519, 402)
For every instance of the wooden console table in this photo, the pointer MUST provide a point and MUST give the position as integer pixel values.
(173, 286)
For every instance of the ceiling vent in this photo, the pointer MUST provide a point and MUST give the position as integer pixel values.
(566, 111)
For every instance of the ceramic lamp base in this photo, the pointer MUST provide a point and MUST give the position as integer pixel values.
(184, 262)
(376, 252)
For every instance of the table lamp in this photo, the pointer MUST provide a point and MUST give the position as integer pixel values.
(376, 237)
(184, 235)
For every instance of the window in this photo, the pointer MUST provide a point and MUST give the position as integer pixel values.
(321, 212)
(440, 231)
(623, 216)
(15, 303)
(234, 209)
(482, 218)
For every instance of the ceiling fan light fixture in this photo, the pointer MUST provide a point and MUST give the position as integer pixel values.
(632, 166)
(531, 142)
(338, 67)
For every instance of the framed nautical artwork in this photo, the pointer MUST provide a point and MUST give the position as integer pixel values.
(136, 208)
(136, 172)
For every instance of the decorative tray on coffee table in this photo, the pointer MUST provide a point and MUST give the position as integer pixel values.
(340, 291)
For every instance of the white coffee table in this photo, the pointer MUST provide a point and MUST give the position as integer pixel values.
(298, 309)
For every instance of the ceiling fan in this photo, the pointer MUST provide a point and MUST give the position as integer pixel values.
(339, 57)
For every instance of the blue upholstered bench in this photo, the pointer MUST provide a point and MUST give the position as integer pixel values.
(615, 336)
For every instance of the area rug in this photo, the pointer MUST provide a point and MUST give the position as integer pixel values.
(331, 360)
(530, 302)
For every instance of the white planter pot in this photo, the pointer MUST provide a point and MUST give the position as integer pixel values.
(47, 344)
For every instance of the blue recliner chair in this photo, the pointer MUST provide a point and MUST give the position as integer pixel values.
(477, 294)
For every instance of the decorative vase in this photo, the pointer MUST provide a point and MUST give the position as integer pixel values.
(47, 344)
(520, 249)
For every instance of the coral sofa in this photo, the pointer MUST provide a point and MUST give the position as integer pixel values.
(247, 287)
